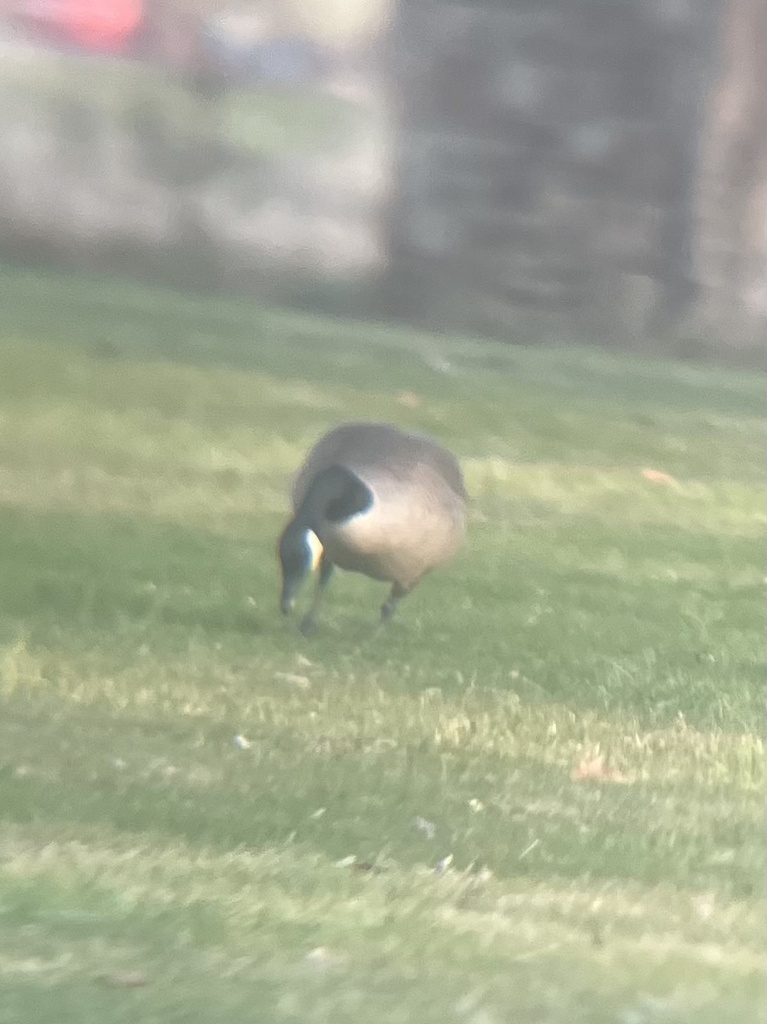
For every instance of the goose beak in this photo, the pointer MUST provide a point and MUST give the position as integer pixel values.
(299, 552)
(287, 602)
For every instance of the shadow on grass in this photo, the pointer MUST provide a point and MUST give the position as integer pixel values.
(598, 640)
(99, 570)
(371, 806)
(115, 320)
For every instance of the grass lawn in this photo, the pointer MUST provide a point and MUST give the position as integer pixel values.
(572, 711)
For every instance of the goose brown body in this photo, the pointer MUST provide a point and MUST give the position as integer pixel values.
(412, 517)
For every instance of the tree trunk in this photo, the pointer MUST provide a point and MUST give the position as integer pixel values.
(732, 237)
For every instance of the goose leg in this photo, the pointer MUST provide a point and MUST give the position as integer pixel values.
(309, 622)
(390, 604)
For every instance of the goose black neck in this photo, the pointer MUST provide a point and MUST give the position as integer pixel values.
(335, 494)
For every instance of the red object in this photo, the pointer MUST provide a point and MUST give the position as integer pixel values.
(104, 26)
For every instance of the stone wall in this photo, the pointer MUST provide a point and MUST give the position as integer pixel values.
(562, 169)
(152, 187)
(547, 167)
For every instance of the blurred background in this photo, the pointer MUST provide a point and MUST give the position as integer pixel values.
(537, 170)
(539, 795)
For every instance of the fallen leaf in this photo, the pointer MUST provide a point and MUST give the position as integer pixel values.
(595, 768)
(657, 476)
(409, 399)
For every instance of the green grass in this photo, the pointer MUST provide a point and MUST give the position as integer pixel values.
(146, 444)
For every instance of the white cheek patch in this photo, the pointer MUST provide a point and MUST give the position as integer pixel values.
(315, 546)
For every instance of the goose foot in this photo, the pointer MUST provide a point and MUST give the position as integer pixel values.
(389, 607)
(307, 625)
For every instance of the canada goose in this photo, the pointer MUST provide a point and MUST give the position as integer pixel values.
(373, 499)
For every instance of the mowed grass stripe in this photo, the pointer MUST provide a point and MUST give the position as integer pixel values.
(538, 797)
